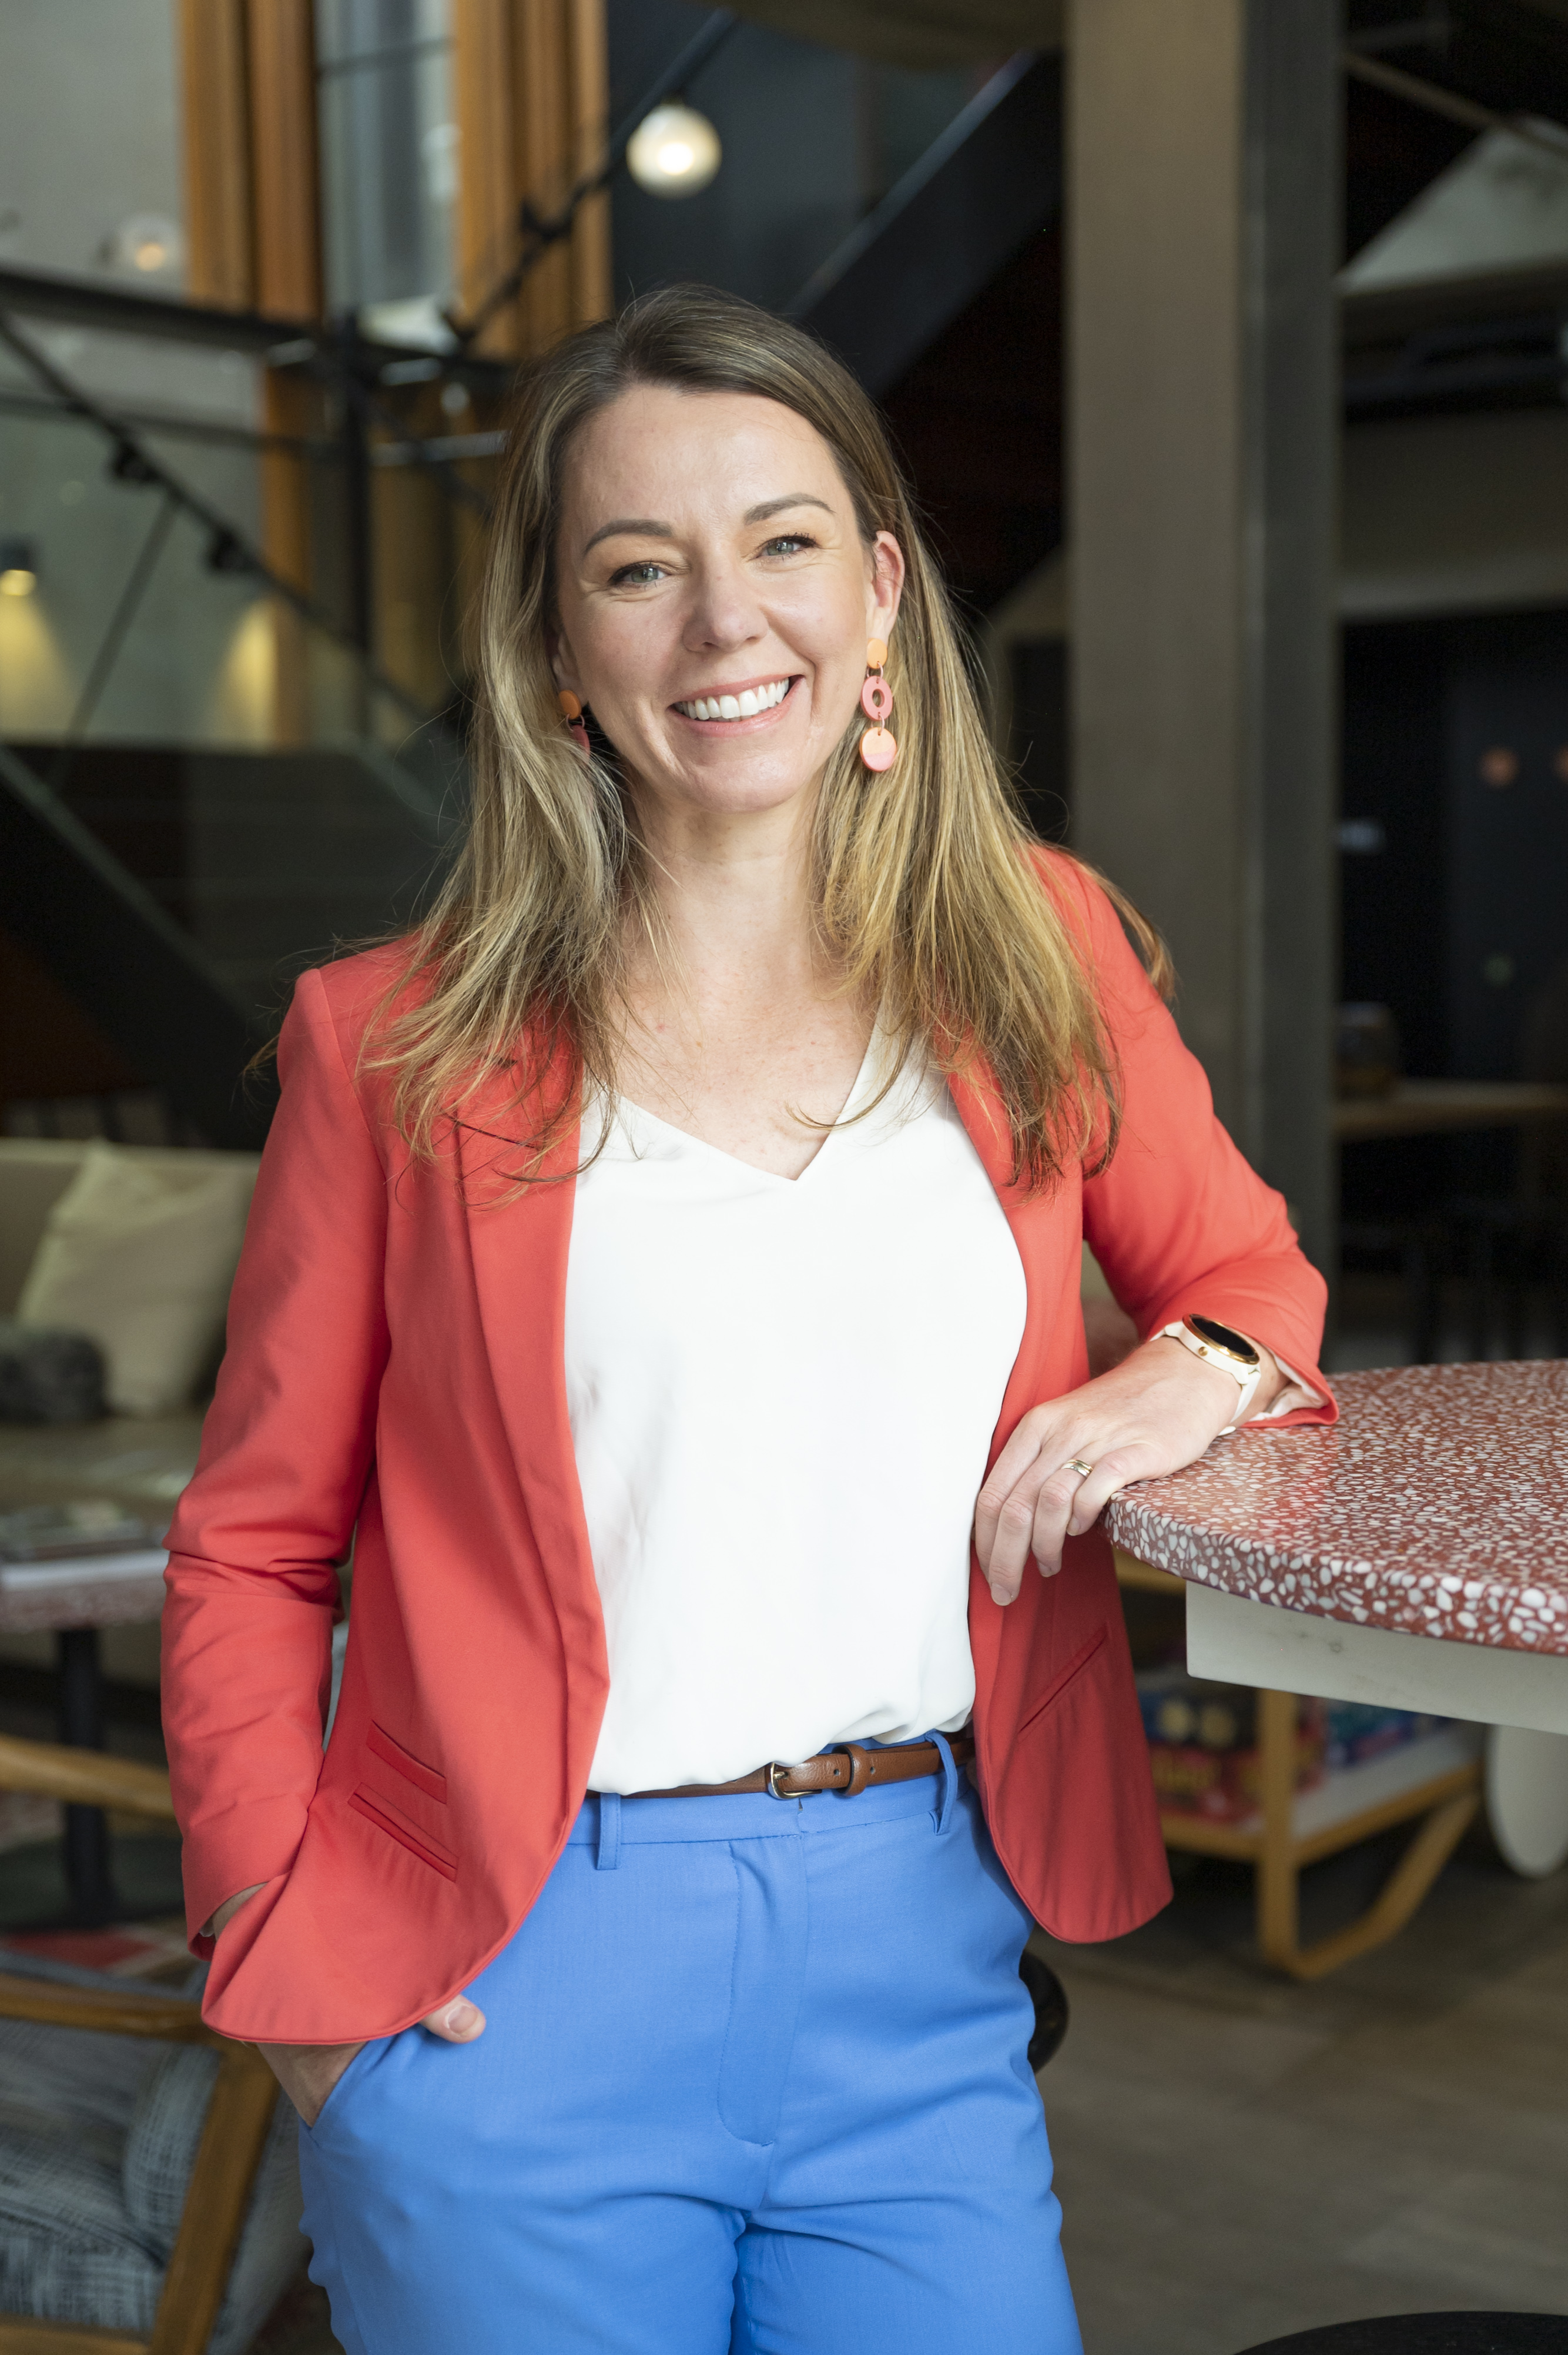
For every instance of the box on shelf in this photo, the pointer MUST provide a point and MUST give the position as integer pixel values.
(1357, 1731)
(1202, 1744)
(1202, 1741)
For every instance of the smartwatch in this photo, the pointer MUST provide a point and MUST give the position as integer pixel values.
(1218, 1345)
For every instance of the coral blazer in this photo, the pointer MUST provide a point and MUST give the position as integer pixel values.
(395, 1380)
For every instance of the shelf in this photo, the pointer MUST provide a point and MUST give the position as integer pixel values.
(1351, 1803)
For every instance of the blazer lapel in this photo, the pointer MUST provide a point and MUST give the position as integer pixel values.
(519, 1237)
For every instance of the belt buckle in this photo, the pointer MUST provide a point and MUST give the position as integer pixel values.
(776, 1767)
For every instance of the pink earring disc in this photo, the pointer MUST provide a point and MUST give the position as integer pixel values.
(580, 737)
(877, 699)
(878, 749)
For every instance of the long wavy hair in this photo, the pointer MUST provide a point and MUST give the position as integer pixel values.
(928, 902)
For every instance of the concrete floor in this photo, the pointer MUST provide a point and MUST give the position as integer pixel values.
(1239, 2156)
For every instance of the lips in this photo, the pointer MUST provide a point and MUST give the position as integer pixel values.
(738, 703)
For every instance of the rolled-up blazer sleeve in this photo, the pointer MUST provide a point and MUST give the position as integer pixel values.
(1179, 1221)
(269, 1515)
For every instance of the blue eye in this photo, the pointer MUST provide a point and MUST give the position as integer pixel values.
(787, 542)
(636, 576)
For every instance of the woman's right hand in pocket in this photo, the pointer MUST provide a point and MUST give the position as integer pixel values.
(307, 2072)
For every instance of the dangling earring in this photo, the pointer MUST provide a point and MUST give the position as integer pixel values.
(878, 749)
(572, 713)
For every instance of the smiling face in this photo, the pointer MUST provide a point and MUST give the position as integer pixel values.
(716, 597)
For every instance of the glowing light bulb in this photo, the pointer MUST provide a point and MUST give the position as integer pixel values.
(673, 151)
(17, 581)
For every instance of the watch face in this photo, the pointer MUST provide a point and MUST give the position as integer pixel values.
(1221, 1337)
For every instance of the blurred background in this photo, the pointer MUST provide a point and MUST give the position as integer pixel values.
(1226, 345)
(1232, 389)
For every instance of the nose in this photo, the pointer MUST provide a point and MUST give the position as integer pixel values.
(723, 613)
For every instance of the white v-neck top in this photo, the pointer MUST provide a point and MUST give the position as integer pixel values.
(782, 1393)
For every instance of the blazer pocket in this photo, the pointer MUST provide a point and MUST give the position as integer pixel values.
(391, 1820)
(403, 1762)
(1059, 1683)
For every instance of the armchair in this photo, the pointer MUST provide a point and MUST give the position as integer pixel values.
(149, 2203)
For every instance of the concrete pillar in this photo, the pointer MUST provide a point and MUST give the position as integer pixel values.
(1203, 216)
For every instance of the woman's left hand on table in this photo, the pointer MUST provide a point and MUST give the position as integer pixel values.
(1152, 1415)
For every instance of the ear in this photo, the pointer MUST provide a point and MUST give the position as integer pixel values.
(885, 585)
(559, 655)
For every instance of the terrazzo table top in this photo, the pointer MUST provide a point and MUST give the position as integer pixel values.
(114, 1591)
(1438, 1504)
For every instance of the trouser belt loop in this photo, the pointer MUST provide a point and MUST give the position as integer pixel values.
(949, 1782)
(608, 1854)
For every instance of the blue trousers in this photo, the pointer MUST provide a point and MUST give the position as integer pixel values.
(753, 2082)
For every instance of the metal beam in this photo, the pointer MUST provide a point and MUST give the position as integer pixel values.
(989, 184)
(282, 342)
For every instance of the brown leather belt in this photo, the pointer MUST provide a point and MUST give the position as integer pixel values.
(846, 1767)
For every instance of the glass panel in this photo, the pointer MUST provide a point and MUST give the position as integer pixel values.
(191, 664)
(90, 140)
(812, 139)
(390, 153)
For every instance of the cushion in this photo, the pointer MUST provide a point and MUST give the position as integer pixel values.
(160, 2152)
(139, 1253)
(33, 1172)
(48, 1376)
(97, 2136)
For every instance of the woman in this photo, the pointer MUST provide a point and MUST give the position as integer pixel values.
(664, 1265)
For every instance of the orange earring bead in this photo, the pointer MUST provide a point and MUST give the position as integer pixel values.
(572, 713)
(878, 749)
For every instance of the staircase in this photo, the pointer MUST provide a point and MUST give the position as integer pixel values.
(947, 302)
(176, 892)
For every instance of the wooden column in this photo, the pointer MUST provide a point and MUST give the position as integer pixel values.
(1202, 214)
(531, 83)
(286, 183)
(220, 227)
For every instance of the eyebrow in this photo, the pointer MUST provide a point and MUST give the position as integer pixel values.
(648, 528)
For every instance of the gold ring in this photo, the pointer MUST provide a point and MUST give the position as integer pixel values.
(1078, 1465)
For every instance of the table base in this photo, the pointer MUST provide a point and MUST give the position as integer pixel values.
(1240, 1642)
(1279, 1846)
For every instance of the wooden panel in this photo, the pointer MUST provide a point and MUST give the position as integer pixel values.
(284, 164)
(532, 97)
(593, 293)
(217, 139)
(542, 153)
(487, 204)
(286, 194)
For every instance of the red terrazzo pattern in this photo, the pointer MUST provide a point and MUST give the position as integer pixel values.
(1438, 1504)
(85, 1603)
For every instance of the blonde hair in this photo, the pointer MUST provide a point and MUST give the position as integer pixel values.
(926, 898)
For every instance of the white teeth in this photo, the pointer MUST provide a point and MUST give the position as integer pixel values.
(744, 705)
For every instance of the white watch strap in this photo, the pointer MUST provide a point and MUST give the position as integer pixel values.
(1246, 1383)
